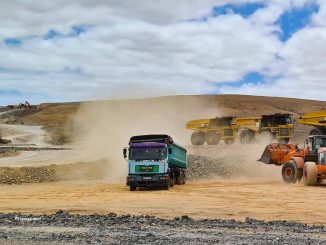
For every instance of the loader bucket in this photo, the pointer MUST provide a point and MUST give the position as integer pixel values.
(276, 153)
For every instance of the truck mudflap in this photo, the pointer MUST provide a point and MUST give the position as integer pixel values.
(148, 180)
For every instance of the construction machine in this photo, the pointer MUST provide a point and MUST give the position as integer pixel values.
(307, 163)
(316, 119)
(274, 126)
(213, 130)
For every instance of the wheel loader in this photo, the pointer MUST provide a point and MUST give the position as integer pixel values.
(213, 130)
(316, 119)
(307, 163)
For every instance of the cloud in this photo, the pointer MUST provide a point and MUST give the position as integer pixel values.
(74, 50)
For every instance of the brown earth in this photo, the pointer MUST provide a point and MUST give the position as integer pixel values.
(102, 129)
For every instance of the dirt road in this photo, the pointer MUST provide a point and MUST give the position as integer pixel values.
(214, 199)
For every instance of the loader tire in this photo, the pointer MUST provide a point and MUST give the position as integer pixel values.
(212, 138)
(310, 174)
(198, 138)
(290, 172)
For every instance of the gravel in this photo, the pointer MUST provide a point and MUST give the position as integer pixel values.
(201, 167)
(63, 227)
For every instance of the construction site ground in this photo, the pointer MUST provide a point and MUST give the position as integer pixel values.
(226, 184)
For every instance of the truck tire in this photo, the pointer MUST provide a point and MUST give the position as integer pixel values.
(198, 138)
(290, 172)
(266, 136)
(212, 138)
(166, 186)
(178, 178)
(132, 188)
(172, 179)
(310, 174)
(247, 137)
(317, 131)
(284, 141)
(229, 141)
(184, 177)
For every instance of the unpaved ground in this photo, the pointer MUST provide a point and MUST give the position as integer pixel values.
(236, 199)
(111, 229)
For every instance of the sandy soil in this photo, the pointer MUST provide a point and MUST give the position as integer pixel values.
(234, 199)
(254, 190)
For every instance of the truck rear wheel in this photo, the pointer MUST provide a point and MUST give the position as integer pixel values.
(317, 131)
(212, 138)
(284, 141)
(247, 137)
(289, 172)
(198, 138)
(184, 177)
(178, 178)
(310, 174)
(229, 141)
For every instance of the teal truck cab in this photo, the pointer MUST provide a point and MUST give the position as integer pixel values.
(155, 161)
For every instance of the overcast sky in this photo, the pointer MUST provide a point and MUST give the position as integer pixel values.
(68, 50)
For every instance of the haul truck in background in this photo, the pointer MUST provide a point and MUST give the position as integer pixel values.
(155, 161)
(316, 119)
(212, 131)
(276, 126)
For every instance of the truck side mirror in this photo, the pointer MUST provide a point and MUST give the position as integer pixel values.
(125, 152)
(170, 151)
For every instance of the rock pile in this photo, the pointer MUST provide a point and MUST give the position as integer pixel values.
(201, 167)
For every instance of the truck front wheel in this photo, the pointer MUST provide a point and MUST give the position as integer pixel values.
(172, 179)
(132, 188)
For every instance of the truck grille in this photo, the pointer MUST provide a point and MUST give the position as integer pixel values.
(228, 132)
(284, 132)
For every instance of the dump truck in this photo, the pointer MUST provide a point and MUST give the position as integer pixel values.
(155, 161)
(307, 163)
(316, 119)
(274, 126)
(213, 130)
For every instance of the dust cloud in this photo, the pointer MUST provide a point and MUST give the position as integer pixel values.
(103, 128)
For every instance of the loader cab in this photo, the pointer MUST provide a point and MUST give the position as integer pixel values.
(322, 156)
(313, 144)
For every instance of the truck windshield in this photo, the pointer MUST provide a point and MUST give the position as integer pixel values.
(139, 154)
